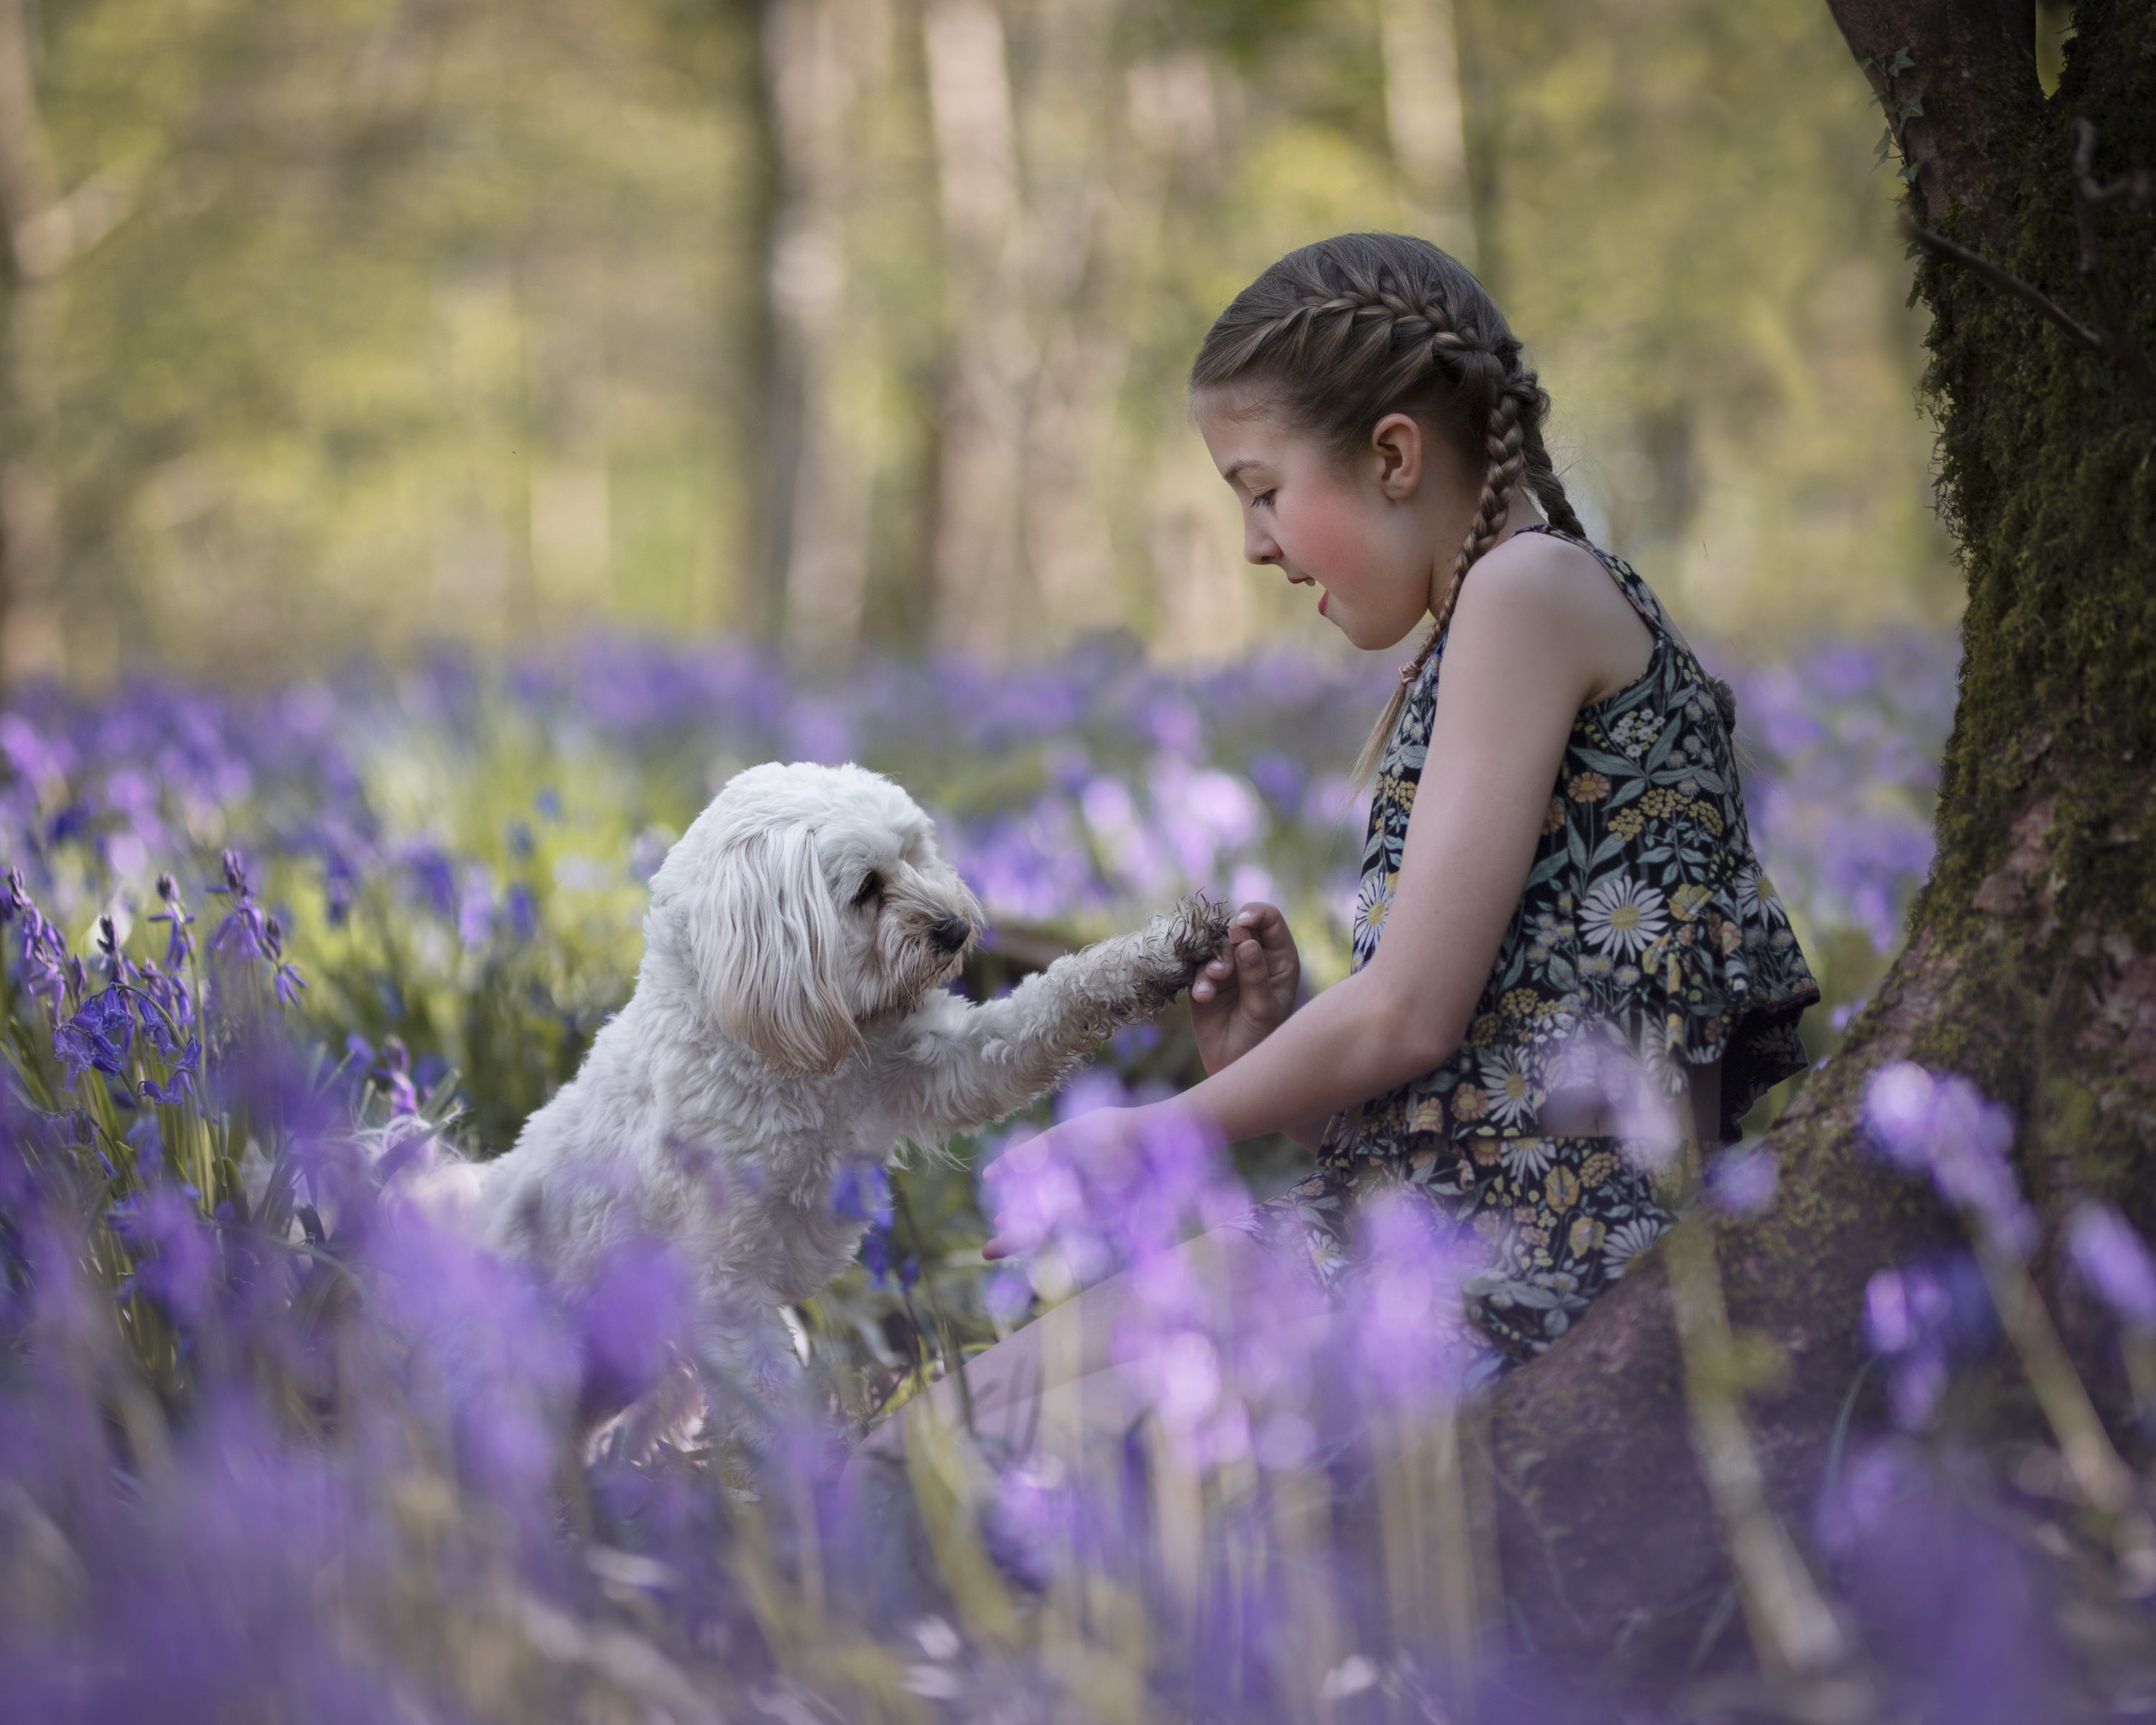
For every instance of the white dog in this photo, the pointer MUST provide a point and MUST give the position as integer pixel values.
(790, 1017)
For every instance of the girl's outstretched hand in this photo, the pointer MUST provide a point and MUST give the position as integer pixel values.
(1248, 988)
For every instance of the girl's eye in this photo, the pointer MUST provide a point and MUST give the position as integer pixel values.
(871, 887)
(1265, 498)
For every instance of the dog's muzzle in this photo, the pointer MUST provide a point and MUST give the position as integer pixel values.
(950, 933)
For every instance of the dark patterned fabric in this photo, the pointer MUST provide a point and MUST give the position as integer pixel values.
(1648, 940)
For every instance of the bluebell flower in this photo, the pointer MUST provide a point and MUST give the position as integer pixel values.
(180, 947)
(99, 1036)
(860, 1191)
(522, 911)
(394, 1076)
(286, 982)
(433, 877)
(179, 1084)
(241, 934)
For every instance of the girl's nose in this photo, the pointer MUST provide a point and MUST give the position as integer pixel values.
(1258, 546)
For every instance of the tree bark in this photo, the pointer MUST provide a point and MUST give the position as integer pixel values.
(821, 58)
(2031, 963)
(979, 564)
(41, 241)
(1425, 119)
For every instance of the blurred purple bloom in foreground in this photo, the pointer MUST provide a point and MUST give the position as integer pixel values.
(1921, 1318)
(1943, 1127)
(2115, 1261)
(1948, 1597)
(1743, 1183)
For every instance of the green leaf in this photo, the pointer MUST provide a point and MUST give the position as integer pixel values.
(1902, 61)
(1913, 109)
(1886, 144)
(1912, 169)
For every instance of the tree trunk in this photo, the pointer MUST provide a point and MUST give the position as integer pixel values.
(2031, 963)
(41, 241)
(978, 565)
(821, 57)
(1426, 120)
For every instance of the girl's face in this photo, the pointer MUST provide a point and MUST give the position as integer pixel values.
(1371, 533)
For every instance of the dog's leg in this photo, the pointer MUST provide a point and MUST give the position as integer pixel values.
(962, 1066)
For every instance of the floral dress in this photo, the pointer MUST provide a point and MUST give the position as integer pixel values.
(1648, 940)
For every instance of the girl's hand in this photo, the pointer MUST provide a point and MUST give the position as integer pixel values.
(1248, 990)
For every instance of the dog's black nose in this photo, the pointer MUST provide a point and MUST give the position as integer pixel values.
(951, 933)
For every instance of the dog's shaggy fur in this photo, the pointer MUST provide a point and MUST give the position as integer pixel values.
(790, 1017)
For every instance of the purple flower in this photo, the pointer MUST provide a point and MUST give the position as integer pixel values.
(633, 1316)
(1944, 1127)
(101, 1035)
(475, 907)
(180, 1082)
(394, 1076)
(860, 1191)
(1946, 1594)
(522, 911)
(1743, 1183)
(180, 947)
(1922, 1317)
(2114, 1260)
(176, 1260)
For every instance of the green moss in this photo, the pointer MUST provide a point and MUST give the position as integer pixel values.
(2046, 475)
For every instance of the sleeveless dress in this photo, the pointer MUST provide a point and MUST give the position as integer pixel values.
(1648, 940)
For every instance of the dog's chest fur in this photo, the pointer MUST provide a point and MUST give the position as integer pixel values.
(691, 1139)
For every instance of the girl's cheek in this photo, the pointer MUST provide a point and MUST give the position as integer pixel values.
(1324, 533)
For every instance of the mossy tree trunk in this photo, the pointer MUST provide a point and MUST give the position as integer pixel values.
(2032, 961)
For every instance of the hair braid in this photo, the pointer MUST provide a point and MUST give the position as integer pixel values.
(1339, 334)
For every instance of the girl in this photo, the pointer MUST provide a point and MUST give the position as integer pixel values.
(1565, 954)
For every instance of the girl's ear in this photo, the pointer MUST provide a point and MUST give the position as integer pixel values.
(1400, 446)
(765, 938)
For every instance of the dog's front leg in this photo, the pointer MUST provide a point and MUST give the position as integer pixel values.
(966, 1065)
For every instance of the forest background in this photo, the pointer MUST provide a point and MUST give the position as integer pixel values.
(344, 327)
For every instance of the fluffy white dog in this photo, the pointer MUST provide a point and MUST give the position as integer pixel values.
(789, 1017)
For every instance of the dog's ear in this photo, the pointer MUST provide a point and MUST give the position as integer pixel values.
(765, 937)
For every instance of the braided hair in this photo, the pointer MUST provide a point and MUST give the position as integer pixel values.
(1339, 334)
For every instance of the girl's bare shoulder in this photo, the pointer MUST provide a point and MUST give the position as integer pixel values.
(1538, 587)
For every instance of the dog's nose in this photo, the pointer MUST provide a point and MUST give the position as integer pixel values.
(951, 933)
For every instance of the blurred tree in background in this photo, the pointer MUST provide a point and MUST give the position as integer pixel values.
(338, 326)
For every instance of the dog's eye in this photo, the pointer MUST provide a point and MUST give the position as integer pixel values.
(871, 887)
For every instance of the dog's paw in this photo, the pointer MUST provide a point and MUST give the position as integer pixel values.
(1197, 929)
(1181, 943)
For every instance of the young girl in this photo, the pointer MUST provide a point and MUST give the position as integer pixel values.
(1566, 955)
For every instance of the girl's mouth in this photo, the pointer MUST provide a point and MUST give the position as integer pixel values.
(1324, 593)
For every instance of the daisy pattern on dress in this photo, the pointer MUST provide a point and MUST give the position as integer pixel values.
(1625, 1242)
(1373, 901)
(1524, 1158)
(1508, 1080)
(1622, 915)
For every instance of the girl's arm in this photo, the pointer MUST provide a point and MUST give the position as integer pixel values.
(1523, 660)
(1531, 645)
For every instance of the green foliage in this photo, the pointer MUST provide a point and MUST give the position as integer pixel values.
(457, 321)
